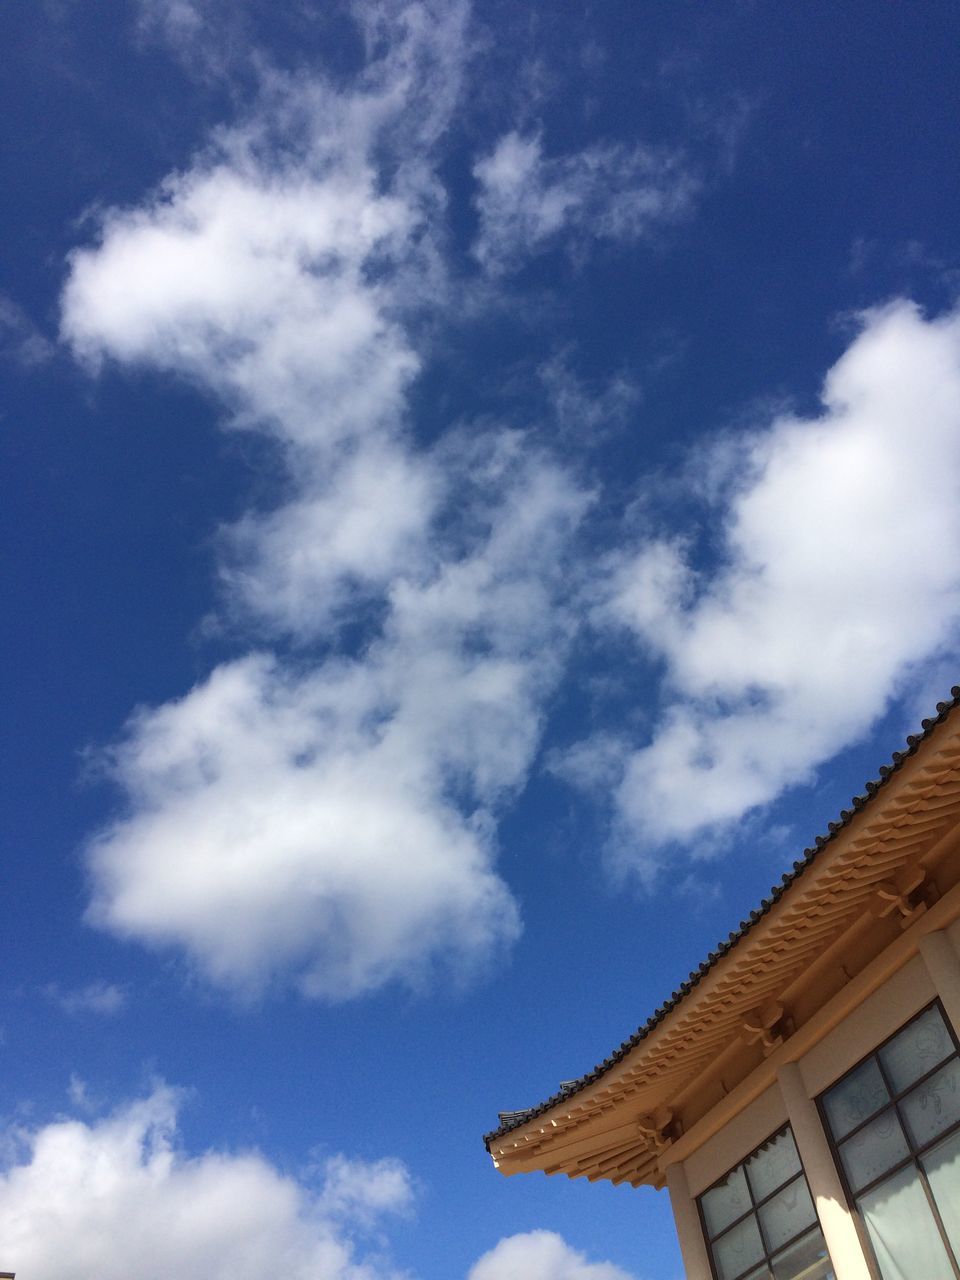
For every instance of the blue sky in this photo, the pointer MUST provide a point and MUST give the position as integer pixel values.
(481, 494)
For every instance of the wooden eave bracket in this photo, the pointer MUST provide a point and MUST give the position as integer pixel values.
(769, 1025)
(661, 1127)
(901, 894)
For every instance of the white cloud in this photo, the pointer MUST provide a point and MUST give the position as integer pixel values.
(362, 1191)
(104, 998)
(528, 202)
(336, 824)
(282, 272)
(20, 339)
(840, 568)
(581, 413)
(342, 539)
(117, 1197)
(540, 1255)
(332, 824)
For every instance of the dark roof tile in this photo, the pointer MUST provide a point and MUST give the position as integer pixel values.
(513, 1119)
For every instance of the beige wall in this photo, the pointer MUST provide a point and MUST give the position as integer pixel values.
(880, 1015)
(735, 1141)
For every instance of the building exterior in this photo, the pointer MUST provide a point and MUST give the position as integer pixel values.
(800, 1094)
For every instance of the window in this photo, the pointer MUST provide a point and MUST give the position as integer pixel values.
(760, 1222)
(894, 1121)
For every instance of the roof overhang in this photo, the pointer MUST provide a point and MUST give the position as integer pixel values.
(767, 993)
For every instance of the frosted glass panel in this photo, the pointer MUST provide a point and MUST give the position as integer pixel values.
(874, 1149)
(942, 1166)
(725, 1202)
(773, 1165)
(806, 1259)
(738, 1250)
(855, 1099)
(903, 1232)
(786, 1214)
(933, 1106)
(916, 1050)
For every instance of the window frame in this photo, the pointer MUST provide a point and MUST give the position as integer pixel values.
(756, 1205)
(914, 1156)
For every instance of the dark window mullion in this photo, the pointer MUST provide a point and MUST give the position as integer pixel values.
(750, 1213)
(758, 1204)
(852, 1202)
(922, 1174)
(898, 1097)
(927, 1147)
(916, 1153)
(769, 1249)
(888, 1173)
(782, 1248)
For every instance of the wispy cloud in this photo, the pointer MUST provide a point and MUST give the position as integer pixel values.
(101, 998)
(20, 338)
(528, 202)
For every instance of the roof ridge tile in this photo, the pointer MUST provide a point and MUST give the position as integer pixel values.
(871, 788)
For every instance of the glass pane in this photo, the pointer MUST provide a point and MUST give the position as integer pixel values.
(902, 1230)
(786, 1214)
(876, 1148)
(934, 1106)
(774, 1164)
(942, 1166)
(761, 1273)
(855, 1098)
(725, 1202)
(806, 1259)
(738, 1250)
(916, 1050)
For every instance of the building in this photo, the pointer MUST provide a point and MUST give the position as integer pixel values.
(800, 1094)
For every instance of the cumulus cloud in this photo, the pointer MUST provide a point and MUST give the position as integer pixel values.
(104, 998)
(528, 202)
(118, 1197)
(330, 819)
(349, 532)
(337, 823)
(540, 1255)
(840, 568)
(284, 272)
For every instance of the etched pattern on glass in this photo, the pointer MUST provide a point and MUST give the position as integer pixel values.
(738, 1249)
(760, 1219)
(919, 1047)
(934, 1106)
(786, 1214)
(873, 1150)
(775, 1162)
(942, 1167)
(726, 1202)
(903, 1164)
(805, 1259)
(855, 1099)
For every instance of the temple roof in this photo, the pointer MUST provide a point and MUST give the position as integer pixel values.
(934, 798)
